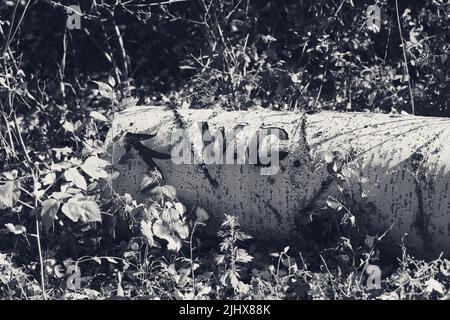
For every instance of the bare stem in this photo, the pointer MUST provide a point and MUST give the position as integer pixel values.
(411, 94)
(41, 260)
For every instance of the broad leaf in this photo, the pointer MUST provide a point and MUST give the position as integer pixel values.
(180, 208)
(60, 166)
(334, 204)
(105, 90)
(202, 215)
(74, 176)
(164, 193)
(95, 167)
(16, 229)
(49, 210)
(9, 194)
(98, 116)
(434, 285)
(329, 157)
(182, 229)
(150, 180)
(50, 178)
(82, 209)
(159, 230)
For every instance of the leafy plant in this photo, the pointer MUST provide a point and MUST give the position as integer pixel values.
(232, 258)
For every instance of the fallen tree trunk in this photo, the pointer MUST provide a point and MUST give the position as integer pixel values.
(396, 167)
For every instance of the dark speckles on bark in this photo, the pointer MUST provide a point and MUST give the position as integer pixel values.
(213, 182)
(277, 213)
(422, 220)
(271, 180)
(418, 191)
(303, 123)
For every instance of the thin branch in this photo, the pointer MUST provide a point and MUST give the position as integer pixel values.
(411, 94)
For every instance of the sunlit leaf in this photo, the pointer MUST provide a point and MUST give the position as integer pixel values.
(74, 176)
(49, 179)
(9, 194)
(161, 231)
(242, 256)
(434, 285)
(60, 166)
(98, 116)
(49, 210)
(16, 229)
(97, 259)
(163, 193)
(334, 204)
(95, 167)
(111, 260)
(202, 215)
(82, 209)
(111, 81)
(150, 179)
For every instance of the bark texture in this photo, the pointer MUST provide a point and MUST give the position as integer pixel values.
(396, 167)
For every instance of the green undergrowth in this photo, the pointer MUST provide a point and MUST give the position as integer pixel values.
(66, 234)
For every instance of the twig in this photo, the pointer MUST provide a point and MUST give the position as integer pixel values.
(405, 58)
(113, 60)
(20, 21)
(41, 260)
(122, 51)
(105, 53)
(320, 90)
(11, 23)
(191, 249)
(62, 69)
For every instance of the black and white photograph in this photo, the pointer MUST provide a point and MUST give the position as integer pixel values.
(223, 156)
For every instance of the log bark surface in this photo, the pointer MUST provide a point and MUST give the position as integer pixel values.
(397, 167)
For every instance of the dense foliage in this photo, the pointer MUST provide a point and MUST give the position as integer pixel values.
(60, 219)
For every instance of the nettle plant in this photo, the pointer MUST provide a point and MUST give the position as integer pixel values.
(232, 259)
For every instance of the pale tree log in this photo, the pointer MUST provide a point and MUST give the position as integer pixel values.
(397, 167)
